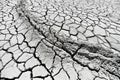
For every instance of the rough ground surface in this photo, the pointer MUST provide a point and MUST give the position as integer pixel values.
(59, 40)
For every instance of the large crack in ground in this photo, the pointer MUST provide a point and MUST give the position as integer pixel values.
(59, 40)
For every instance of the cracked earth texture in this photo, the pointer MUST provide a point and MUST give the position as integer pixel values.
(59, 40)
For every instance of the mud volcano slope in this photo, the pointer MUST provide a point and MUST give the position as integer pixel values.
(59, 40)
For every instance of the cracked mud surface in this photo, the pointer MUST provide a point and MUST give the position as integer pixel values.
(59, 40)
